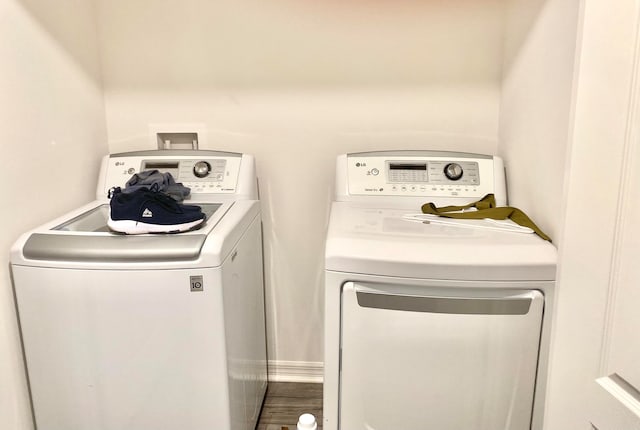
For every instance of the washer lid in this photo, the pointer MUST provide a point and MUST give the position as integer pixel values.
(380, 242)
(86, 237)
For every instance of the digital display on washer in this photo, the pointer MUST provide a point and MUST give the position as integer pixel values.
(147, 165)
(407, 172)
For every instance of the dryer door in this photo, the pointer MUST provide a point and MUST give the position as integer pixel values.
(432, 358)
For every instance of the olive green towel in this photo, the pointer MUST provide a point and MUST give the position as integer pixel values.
(486, 208)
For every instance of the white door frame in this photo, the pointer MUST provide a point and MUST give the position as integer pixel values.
(604, 135)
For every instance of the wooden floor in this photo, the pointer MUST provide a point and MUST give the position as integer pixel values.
(286, 401)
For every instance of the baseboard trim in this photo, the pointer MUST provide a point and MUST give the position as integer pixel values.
(295, 371)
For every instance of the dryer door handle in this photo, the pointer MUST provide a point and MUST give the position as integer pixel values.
(510, 305)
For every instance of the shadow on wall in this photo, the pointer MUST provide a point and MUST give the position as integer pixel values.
(522, 16)
(536, 101)
(360, 42)
(68, 22)
(208, 44)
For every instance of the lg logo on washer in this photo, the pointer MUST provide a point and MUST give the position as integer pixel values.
(197, 283)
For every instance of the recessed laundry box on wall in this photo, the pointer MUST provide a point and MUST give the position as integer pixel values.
(146, 332)
(431, 323)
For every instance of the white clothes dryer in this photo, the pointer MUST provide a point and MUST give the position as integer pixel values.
(148, 332)
(431, 323)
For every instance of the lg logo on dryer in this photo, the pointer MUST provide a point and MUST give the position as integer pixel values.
(197, 283)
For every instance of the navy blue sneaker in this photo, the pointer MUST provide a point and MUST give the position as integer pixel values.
(146, 211)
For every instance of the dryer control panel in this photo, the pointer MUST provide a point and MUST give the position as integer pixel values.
(423, 174)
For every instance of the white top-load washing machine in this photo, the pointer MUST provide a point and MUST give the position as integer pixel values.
(431, 323)
(148, 332)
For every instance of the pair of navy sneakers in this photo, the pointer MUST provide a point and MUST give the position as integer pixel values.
(151, 211)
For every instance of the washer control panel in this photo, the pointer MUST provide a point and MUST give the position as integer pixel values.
(203, 173)
(434, 172)
(420, 174)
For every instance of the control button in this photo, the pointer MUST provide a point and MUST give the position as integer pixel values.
(375, 171)
(453, 171)
(403, 188)
(413, 188)
(131, 171)
(201, 169)
(394, 188)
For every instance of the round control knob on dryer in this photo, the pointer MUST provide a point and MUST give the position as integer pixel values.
(201, 169)
(453, 171)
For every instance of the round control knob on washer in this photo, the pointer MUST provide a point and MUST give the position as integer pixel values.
(453, 171)
(201, 169)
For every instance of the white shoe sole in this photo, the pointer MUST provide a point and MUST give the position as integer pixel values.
(135, 227)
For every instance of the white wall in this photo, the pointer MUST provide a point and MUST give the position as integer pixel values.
(296, 83)
(52, 134)
(537, 83)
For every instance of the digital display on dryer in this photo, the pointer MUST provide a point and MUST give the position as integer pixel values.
(407, 172)
(405, 166)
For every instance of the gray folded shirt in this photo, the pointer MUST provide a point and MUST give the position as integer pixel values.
(162, 181)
